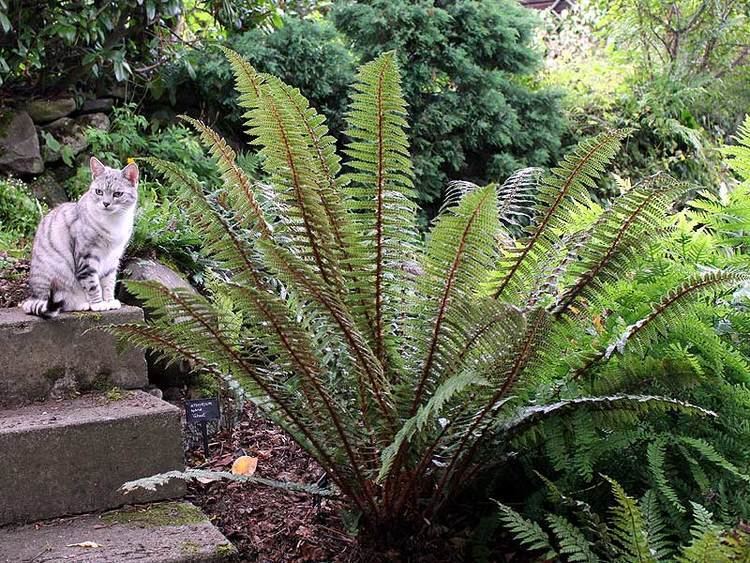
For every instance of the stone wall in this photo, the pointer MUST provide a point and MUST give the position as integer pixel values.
(35, 136)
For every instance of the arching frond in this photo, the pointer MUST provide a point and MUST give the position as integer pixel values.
(558, 191)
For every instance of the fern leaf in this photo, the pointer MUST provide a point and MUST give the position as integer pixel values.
(655, 453)
(381, 194)
(573, 544)
(628, 527)
(624, 230)
(153, 482)
(459, 255)
(245, 203)
(645, 331)
(528, 533)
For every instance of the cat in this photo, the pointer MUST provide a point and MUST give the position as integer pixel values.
(78, 246)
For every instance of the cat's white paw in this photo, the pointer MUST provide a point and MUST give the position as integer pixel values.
(113, 304)
(101, 306)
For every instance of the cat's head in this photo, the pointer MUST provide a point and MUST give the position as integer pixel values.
(112, 190)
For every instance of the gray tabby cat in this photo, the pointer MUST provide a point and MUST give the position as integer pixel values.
(78, 246)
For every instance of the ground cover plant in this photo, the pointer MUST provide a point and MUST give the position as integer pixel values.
(407, 368)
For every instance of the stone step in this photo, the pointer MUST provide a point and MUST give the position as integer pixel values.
(171, 532)
(71, 456)
(44, 359)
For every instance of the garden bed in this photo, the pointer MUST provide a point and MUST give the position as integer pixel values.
(267, 524)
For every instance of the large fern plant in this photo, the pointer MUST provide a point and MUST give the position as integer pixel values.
(404, 367)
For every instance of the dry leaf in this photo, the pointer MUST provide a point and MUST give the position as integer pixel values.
(244, 465)
(84, 544)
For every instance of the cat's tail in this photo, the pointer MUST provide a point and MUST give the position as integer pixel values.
(45, 308)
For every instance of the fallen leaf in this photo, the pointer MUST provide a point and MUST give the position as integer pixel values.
(244, 465)
(84, 544)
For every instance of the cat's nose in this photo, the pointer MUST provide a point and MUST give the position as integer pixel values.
(105, 203)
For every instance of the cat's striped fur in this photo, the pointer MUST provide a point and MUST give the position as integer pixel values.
(78, 246)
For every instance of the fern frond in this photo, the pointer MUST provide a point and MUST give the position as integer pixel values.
(706, 545)
(381, 194)
(621, 233)
(558, 191)
(286, 159)
(573, 544)
(656, 527)
(244, 201)
(628, 527)
(528, 533)
(458, 257)
(641, 334)
(153, 482)
(639, 404)
(247, 80)
(371, 379)
(655, 454)
(517, 197)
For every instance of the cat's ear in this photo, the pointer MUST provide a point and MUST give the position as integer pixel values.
(130, 173)
(97, 168)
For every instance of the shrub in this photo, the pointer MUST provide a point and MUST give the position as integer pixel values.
(405, 369)
(20, 211)
(307, 54)
(466, 64)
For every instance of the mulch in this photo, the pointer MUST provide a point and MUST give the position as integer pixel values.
(264, 523)
(13, 274)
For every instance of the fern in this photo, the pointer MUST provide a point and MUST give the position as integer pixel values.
(407, 367)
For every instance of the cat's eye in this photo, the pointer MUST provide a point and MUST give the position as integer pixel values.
(99, 192)
(117, 194)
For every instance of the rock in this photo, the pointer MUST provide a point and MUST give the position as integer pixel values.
(19, 145)
(152, 270)
(46, 188)
(91, 446)
(160, 373)
(100, 105)
(44, 111)
(71, 133)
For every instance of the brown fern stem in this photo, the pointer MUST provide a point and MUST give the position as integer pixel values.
(380, 195)
(522, 358)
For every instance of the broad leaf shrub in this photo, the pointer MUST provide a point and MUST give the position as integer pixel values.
(406, 369)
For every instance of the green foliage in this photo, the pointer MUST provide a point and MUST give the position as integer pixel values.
(49, 45)
(305, 53)
(466, 67)
(675, 113)
(633, 533)
(407, 368)
(20, 211)
(52, 46)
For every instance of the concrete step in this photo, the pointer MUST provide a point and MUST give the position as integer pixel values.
(42, 359)
(172, 532)
(71, 456)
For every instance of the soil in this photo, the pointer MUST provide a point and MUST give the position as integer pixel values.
(267, 524)
(13, 274)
